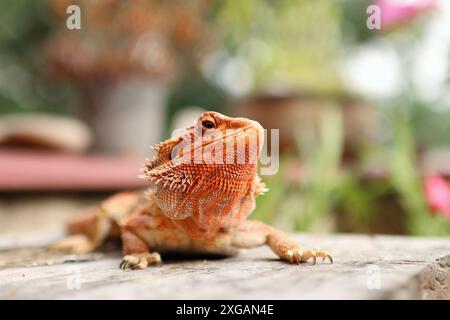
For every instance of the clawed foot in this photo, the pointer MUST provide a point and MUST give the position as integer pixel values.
(140, 260)
(299, 256)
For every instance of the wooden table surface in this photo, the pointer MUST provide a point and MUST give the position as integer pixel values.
(365, 267)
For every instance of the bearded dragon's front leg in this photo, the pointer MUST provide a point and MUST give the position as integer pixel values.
(254, 233)
(136, 251)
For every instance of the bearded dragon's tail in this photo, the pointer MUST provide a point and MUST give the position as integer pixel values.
(90, 228)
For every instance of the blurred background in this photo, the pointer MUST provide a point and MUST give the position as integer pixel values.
(363, 113)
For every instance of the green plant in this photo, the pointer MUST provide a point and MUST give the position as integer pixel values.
(24, 86)
(323, 156)
(295, 41)
(309, 203)
(407, 180)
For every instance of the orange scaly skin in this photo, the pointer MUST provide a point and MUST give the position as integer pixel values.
(203, 187)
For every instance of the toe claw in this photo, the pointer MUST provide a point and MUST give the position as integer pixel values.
(139, 261)
(298, 256)
(330, 258)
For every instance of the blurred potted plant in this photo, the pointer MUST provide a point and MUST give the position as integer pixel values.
(403, 207)
(281, 64)
(123, 59)
(382, 192)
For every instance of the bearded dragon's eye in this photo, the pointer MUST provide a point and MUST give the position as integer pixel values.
(208, 124)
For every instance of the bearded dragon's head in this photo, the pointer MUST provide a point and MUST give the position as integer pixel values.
(208, 173)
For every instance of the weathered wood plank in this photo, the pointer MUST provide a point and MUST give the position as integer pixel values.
(365, 268)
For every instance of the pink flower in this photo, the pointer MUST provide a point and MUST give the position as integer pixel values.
(395, 12)
(437, 192)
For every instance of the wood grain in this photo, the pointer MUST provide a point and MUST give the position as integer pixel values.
(366, 267)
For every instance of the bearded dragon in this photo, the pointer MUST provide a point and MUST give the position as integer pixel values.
(203, 185)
